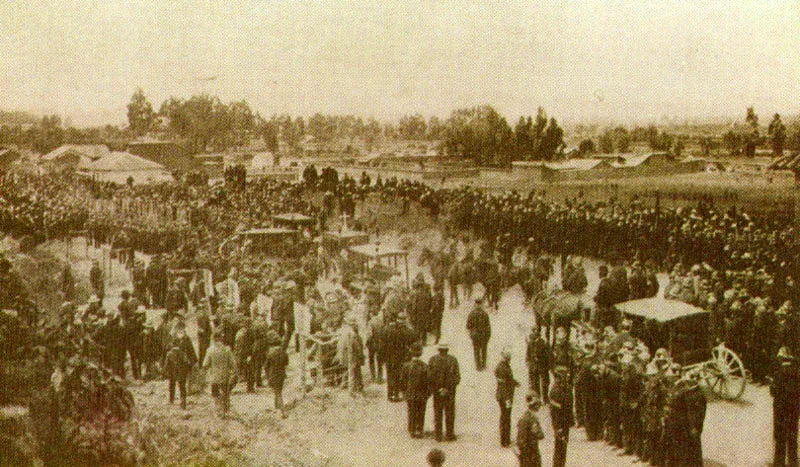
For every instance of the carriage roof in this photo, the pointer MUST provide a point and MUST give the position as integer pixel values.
(353, 237)
(374, 250)
(293, 218)
(660, 309)
(271, 231)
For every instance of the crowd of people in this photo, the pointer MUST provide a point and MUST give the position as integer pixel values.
(741, 269)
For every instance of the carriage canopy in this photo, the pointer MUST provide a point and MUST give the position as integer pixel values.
(660, 309)
(293, 220)
(376, 255)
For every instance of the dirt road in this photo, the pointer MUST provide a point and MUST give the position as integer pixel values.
(337, 430)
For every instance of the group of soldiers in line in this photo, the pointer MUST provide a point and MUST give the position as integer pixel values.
(645, 407)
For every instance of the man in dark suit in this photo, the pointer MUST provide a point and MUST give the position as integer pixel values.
(785, 390)
(561, 415)
(417, 390)
(444, 378)
(480, 330)
(538, 357)
(506, 384)
(529, 433)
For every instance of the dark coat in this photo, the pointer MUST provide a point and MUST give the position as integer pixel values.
(276, 364)
(437, 311)
(176, 365)
(538, 355)
(561, 405)
(417, 381)
(478, 325)
(444, 372)
(420, 306)
(529, 433)
(505, 381)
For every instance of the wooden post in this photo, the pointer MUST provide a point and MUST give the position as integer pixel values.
(318, 380)
(302, 337)
(407, 280)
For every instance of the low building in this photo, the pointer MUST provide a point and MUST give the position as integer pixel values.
(74, 156)
(122, 167)
(606, 166)
(789, 162)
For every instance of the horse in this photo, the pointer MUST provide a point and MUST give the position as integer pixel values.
(439, 263)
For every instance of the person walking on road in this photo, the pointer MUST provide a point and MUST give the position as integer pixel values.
(506, 384)
(480, 330)
(221, 367)
(444, 377)
(176, 366)
(417, 390)
(561, 415)
(529, 433)
(785, 390)
(538, 356)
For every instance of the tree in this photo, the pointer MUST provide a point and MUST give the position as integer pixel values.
(622, 139)
(586, 147)
(678, 146)
(412, 127)
(706, 145)
(552, 143)
(48, 135)
(242, 122)
(523, 138)
(268, 129)
(435, 128)
(479, 134)
(606, 142)
(659, 141)
(777, 133)
(751, 118)
(140, 114)
(732, 142)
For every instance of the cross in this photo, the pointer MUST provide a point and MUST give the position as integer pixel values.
(344, 221)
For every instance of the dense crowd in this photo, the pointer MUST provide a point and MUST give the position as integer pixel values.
(738, 266)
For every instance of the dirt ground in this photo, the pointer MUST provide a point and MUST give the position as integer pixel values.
(331, 428)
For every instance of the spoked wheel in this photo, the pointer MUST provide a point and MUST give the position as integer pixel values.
(724, 374)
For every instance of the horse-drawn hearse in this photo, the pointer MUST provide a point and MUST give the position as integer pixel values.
(683, 329)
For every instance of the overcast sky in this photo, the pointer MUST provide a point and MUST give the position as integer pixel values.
(581, 60)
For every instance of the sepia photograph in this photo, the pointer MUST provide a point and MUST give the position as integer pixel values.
(456, 233)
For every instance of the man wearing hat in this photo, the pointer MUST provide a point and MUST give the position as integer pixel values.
(561, 414)
(480, 330)
(221, 367)
(417, 390)
(420, 308)
(444, 378)
(529, 433)
(538, 356)
(283, 312)
(506, 384)
(785, 390)
(97, 280)
(693, 401)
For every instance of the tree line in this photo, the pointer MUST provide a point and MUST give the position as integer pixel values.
(203, 123)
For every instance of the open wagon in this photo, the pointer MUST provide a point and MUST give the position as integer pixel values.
(684, 329)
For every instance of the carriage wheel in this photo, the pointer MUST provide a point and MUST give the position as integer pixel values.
(724, 373)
